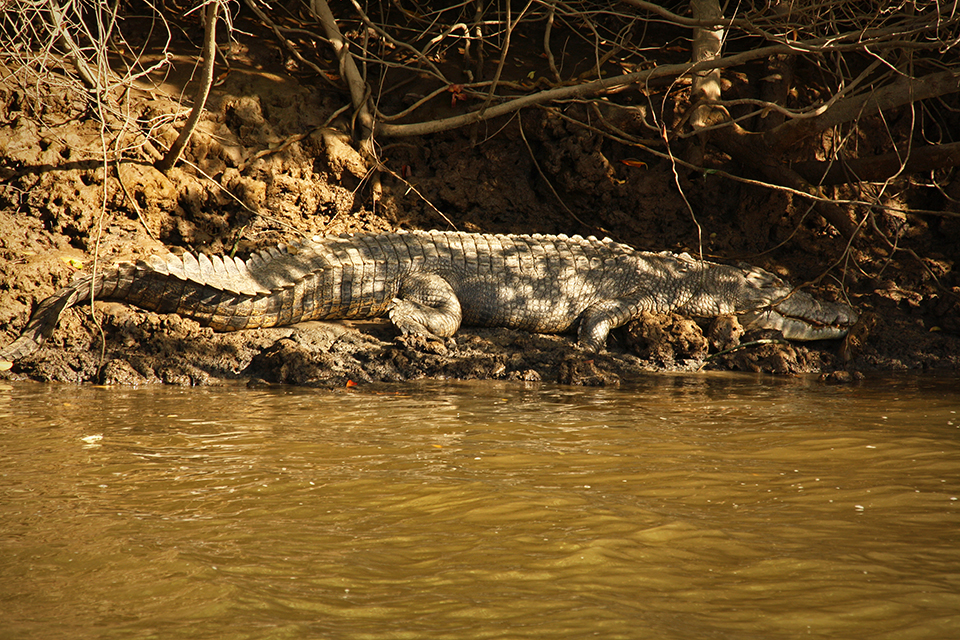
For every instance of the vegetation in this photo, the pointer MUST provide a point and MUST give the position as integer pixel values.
(842, 103)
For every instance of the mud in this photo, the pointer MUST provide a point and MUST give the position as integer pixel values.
(263, 169)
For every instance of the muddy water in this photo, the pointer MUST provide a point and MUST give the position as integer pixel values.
(683, 507)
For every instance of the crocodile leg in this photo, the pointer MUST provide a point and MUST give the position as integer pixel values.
(597, 320)
(426, 305)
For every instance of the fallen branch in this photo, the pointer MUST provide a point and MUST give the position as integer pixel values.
(881, 167)
(901, 92)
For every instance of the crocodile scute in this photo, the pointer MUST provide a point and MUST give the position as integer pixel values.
(431, 282)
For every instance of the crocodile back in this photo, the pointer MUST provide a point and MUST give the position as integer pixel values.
(534, 282)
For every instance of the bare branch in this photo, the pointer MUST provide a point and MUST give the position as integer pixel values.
(206, 81)
(63, 34)
(706, 46)
(701, 20)
(586, 89)
(359, 92)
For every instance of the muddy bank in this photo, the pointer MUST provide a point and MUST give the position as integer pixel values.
(264, 169)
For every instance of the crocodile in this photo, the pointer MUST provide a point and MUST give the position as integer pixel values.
(430, 282)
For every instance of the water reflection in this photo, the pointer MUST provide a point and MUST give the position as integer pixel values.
(689, 506)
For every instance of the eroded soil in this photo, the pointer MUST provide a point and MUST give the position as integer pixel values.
(262, 169)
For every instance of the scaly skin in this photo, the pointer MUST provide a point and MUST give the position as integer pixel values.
(429, 283)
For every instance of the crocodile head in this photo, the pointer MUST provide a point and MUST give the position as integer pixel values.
(767, 302)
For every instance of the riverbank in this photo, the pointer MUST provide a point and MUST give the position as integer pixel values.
(262, 169)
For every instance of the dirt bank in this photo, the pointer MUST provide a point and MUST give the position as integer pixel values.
(59, 215)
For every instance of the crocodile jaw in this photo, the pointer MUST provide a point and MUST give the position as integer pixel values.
(792, 328)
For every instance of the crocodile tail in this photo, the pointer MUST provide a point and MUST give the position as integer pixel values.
(46, 317)
(220, 292)
(111, 284)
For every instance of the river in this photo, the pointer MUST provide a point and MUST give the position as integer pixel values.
(688, 506)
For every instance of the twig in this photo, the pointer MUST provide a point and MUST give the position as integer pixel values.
(133, 203)
(600, 85)
(556, 195)
(251, 4)
(546, 41)
(63, 34)
(410, 187)
(740, 347)
(503, 57)
(676, 181)
(708, 22)
(425, 61)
